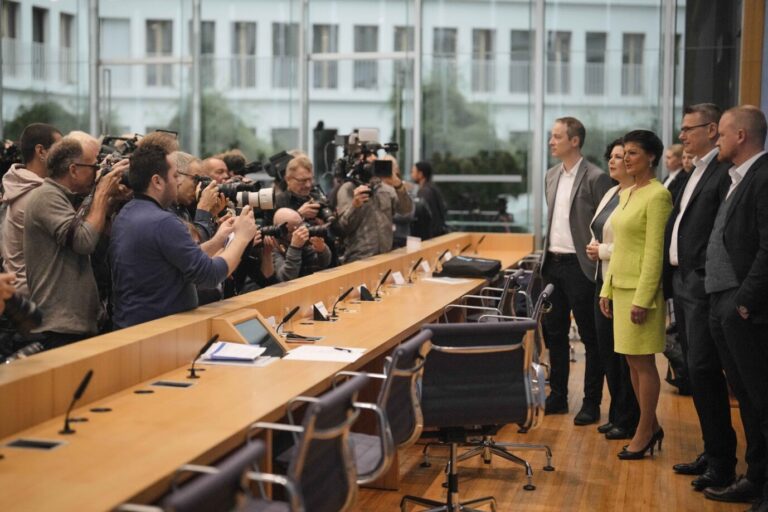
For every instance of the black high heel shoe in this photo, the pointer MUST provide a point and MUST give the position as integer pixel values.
(656, 438)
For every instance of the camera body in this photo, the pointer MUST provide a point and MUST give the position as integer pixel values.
(325, 213)
(279, 231)
(244, 193)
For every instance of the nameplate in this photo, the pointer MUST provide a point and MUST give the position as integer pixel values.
(319, 312)
(398, 278)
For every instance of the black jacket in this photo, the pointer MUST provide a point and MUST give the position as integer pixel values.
(696, 224)
(746, 239)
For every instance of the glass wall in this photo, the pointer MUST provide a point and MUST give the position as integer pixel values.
(480, 110)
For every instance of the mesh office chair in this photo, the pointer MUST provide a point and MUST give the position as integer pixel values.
(216, 490)
(492, 300)
(399, 408)
(477, 378)
(321, 474)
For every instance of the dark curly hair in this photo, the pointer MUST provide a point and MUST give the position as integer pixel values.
(650, 143)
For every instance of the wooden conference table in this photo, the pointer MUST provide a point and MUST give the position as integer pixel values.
(130, 453)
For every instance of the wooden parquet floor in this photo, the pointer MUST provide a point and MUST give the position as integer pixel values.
(588, 475)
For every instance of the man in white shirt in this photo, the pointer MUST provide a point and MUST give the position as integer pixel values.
(574, 188)
(687, 235)
(737, 281)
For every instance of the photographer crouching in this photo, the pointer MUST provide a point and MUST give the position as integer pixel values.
(367, 204)
(155, 262)
(301, 250)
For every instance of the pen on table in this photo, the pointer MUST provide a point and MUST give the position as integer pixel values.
(342, 349)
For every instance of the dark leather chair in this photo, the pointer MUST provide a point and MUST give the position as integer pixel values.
(477, 378)
(216, 489)
(398, 409)
(492, 300)
(321, 474)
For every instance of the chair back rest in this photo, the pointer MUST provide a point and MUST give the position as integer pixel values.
(323, 464)
(477, 374)
(216, 492)
(399, 395)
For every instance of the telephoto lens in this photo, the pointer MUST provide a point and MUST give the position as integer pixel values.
(321, 231)
(275, 231)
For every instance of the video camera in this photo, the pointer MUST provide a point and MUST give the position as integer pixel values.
(244, 193)
(275, 166)
(358, 147)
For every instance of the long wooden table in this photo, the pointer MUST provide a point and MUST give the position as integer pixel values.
(130, 453)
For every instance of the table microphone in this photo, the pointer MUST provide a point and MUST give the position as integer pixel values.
(192, 374)
(442, 255)
(285, 319)
(341, 298)
(465, 247)
(381, 282)
(78, 394)
(410, 274)
(479, 242)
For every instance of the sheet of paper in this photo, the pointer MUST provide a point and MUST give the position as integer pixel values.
(446, 280)
(259, 362)
(325, 353)
(225, 351)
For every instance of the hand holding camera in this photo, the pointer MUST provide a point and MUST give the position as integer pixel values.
(211, 200)
(309, 209)
(300, 237)
(362, 195)
(245, 225)
(318, 244)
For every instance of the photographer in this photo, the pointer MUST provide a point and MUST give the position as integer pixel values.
(59, 243)
(298, 254)
(202, 212)
(216, 169)
(18, 182)
(156, 263)
(299, 181)
(366, 213)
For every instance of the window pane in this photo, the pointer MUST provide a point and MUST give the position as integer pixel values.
(325, 40)
(243, 54)
(285, 53)
(594, 68)
(366, 71)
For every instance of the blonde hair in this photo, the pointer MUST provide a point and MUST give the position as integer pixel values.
(677, 150)
(301, 161)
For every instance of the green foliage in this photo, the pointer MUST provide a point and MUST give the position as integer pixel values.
(42, 112)
(222, 129)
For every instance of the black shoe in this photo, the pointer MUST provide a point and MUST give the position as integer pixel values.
(588, 415)
(713, 477)
(619, 433)
(741, 491)
(656, 439)
(697, 467)
(555, 405)
(605, 427)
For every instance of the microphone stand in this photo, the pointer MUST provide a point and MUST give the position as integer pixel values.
(410, 274)
(341, 298)
(78, 394)
(381, 282)
(479, 242)
(192, 374)
(285, 319)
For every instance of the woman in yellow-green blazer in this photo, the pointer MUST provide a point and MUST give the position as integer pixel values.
(631, 292)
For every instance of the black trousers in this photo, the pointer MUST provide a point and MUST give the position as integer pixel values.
(624, 410)
(51, 340)
(573, 292)
(743, 348)
(705, 370)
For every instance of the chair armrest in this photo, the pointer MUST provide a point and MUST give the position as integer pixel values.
(296, 503)
(465, 306)
(135, 507)
(355, 374)
(387, 444)
(191, 468)
(483, 297)
(265, 425)
(484, 349)
(507, 317)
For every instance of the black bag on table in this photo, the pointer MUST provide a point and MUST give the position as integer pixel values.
(467, 266)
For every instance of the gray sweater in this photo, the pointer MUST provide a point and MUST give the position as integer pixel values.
(59, 272)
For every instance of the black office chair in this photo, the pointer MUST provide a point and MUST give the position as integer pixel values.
(399, 410)
(321, 474)
(216, 490)
(477, 378)
(493, 300)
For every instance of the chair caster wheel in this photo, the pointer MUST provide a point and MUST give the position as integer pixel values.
(548, 468)
(426, 464)
(529, 487)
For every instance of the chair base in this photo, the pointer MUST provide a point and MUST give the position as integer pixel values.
(488, 447)
(452, 503)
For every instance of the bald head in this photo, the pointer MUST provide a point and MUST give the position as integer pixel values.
(286, 215)
(742, 131)
(89, 142)
(215, 168)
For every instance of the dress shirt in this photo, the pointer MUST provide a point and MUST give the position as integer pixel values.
(561, 240)
(671, 177)
(700, 165)
(738, 173)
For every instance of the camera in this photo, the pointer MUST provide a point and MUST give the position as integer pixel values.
(242, 193)
(279, 231)
(325, 213)
(321, 231)
(23, 313)
(357, 147)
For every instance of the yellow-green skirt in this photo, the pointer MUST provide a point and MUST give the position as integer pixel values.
(646, 338)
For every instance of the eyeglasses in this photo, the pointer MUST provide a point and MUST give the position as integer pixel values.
(686, 129)
(95, 167)
(305, 180)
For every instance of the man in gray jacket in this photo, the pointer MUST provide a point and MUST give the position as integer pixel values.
(59, 243)
(18, 182)
(302, 254)
(574, 188)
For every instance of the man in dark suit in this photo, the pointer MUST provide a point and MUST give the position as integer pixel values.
(686, 238)
(737, 281)
(574, 188)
